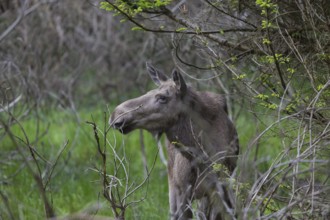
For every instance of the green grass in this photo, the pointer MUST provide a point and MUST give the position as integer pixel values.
(75, 187)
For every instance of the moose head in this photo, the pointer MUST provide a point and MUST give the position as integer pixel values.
(156, 110)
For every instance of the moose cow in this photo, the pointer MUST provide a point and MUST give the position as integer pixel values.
(199, 134)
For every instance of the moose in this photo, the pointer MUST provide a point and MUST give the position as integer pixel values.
(199, 134)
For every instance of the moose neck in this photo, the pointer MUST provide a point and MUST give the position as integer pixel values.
(201, 109)
(196, 117)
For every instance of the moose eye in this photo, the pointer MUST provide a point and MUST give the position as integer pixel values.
(162, 99)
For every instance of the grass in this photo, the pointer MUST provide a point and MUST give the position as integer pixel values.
(75, 187)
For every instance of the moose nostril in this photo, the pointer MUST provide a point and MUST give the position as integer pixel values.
(118, 124)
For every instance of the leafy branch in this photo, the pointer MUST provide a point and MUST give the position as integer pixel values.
(116, 192)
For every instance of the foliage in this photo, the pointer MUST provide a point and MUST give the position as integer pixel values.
(133, 8)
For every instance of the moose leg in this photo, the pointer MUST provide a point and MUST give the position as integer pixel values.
(180, 175)
(183, 199)
(173, 194)
(215, 209)
(203, 208)
(210, 204)
(179, 209)
(172, 185)
(208, 209)
(221, 203)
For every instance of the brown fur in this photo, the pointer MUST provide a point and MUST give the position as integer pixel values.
(199, 134)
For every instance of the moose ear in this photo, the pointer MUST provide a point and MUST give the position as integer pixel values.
(156, 76)
(179, 81)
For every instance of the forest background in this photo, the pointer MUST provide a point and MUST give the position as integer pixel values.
(64, 66)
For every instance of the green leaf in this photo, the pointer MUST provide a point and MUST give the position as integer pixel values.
(106, 6)
(136, 28)
(319, 87)
(291, 70)
(181, 29)
(266, 41)
(266, 24)
(262, 97)
(275, 95)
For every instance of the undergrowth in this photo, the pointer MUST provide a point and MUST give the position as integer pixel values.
(76, 186)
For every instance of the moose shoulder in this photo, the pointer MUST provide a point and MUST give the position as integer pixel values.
(199, 133)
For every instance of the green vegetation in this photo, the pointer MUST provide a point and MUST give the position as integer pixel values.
(76, 185)
(131, 8)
